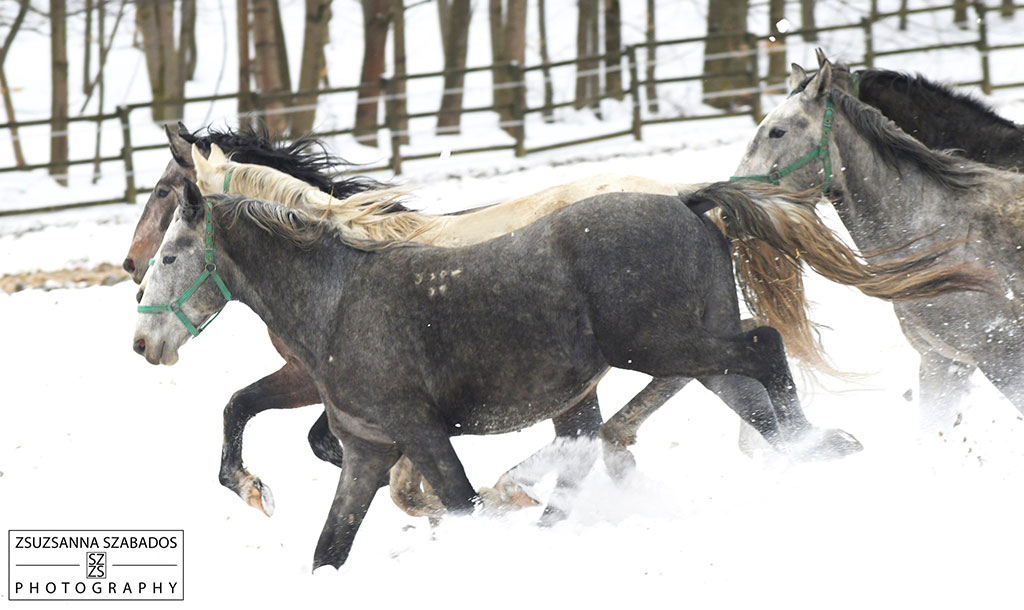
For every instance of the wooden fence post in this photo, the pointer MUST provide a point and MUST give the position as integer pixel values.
(634, 92)
(130, 192)
(393, 122)
(986, 73)
(869, 38)
(517, 77)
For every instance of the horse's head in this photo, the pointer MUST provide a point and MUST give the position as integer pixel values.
(156, 215)
(211, 170)
(793, 144)
(183, 289)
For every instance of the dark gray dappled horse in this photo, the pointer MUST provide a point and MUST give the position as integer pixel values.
(524, 327)
(887, 187)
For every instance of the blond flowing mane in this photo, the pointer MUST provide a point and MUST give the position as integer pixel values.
(364, 215)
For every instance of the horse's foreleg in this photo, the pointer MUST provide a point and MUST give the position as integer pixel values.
(620, 431)
(365, 470)
(287, 388)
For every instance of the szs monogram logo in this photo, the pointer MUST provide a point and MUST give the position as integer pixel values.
(95, 565)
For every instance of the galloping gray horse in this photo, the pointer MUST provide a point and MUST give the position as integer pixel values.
(887, 186)
(410, 345)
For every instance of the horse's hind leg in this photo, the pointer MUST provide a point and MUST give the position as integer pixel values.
(620, 431)
(287, 388)
(365, 470)
(583, 422)
(944, 384)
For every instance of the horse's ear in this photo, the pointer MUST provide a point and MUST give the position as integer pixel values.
(192, 204)
(203, 167)
(796, 77)
(217, 156)
(180, 147)
(821, 56)
(185, 133)
(821, 84)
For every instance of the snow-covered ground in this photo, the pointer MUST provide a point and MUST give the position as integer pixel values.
(93, 437)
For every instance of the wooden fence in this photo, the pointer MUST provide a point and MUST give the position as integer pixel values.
(634, 57)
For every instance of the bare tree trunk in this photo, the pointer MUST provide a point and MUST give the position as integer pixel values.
(549, 90)
(778, 69)
(87, 62)
(19, 156)
(398, 105)
(455, 35)
(650, 36)
(155, 19)
(318, 16)
(508, 45)
(375, 36)
(59, 92)
(726, 54)
(442, 20)
(101, 25)
(187, 40)
(960, 13)
(282, 47)
(268, 66)
(586, 44)
(613, 49)
(245, 106)
(807, 20)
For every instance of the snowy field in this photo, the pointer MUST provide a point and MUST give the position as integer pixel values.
(93, 437)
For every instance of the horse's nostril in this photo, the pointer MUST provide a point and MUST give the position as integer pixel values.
(129, 265)
(140, 346)
(138, 296)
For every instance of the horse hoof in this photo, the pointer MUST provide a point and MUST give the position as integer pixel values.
(505, 497)
(258, 495)
(842, 443)
(831, 444)
(619, 462)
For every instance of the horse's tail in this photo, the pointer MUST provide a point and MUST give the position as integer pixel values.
(774, 230)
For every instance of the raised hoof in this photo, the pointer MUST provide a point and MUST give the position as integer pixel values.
(257, 494)
(552, 515)
(619, 462)
(506, 496)
(322, 562)
(829, 444)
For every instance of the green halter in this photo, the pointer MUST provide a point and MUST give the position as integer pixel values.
(821, 152)
(209, 271)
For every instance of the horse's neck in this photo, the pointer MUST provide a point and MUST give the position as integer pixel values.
(944, 122)
(884, 206)
(285, 285)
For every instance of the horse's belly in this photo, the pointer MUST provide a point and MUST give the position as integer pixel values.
(497, 414)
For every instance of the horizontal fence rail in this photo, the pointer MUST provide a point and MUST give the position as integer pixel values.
(632, 61)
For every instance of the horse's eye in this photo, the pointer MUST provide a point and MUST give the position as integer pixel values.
(169, 259)
(776, 132)
(161, 193)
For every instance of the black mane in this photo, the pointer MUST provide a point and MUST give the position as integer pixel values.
(944, 118)
(304, 158)
(931, 97)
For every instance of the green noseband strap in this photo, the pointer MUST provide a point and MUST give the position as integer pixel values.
(209, 271)
(821, 152)
(227, 180)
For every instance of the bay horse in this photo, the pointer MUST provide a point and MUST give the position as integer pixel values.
(411, 344)
(887, 186)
